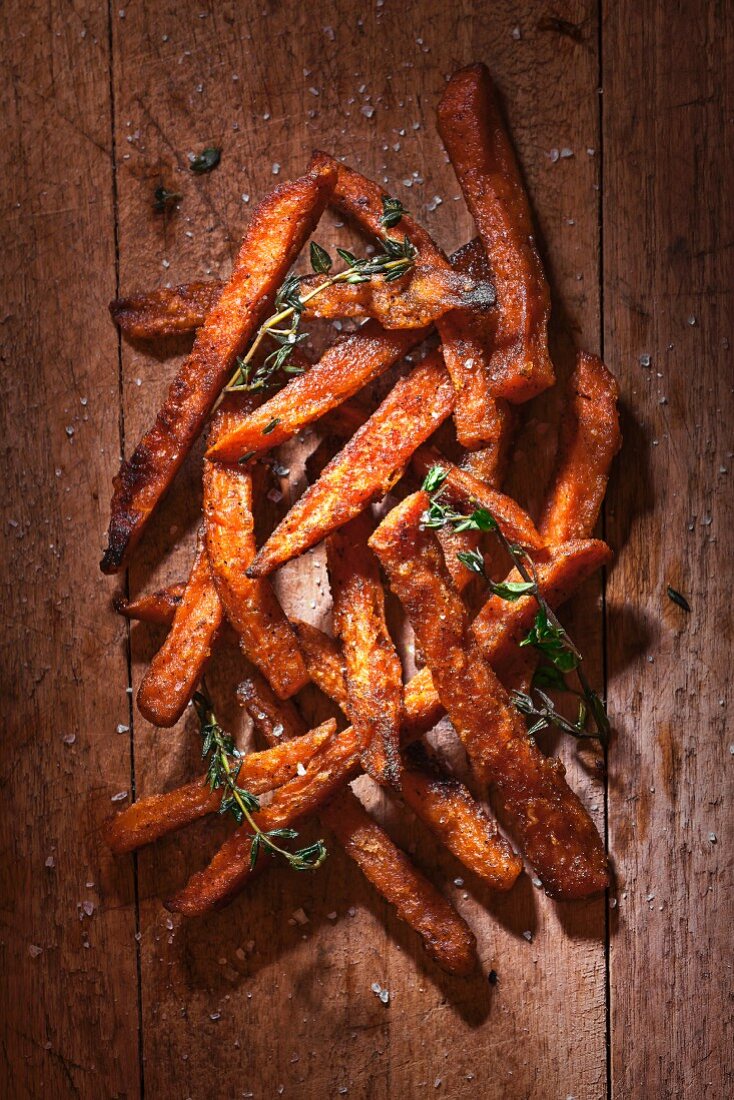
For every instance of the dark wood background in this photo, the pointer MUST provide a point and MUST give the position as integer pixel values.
(104, 995)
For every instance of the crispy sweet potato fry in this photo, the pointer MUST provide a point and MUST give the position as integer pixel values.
(374, 674)
(471, 127)
(154, 607)
(555, 831)
(343, 369)
(279, 228)
(367, 467)
(445, 935)
(251, 606)
(461, 488)
(440, 800)
(590, 438)
(360, 199)
(171, 678)
(413, 301)
(160, 814)
(168, 311)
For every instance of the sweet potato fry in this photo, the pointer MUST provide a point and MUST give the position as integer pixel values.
(447, 807)
(171, 678)
(445, 935)
(554, 830)
(159, 814)
(367, 467)
(374, 673)
(361, 200)
(169, 311)
(440, 800)
(155, 607)
(344, 368)
(251, 606)
(461, 488)
(413, 301)
(279, 228)
(590, 438)
(471, 127)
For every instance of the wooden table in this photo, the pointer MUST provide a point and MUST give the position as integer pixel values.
(622, 117)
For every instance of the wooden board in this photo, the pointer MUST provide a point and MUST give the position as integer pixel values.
(100, 108)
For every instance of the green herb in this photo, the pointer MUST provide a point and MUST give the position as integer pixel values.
(162, 199)
(548, 676)
(392, 212)
(321, 261)
(225, 762)
(542, 713)
(676, 597)
(546, 634)
(246, 457)
(271, 425)
(205, 161)
(396, 260)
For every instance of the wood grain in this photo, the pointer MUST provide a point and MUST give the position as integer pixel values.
(668, 275)
(100, 108)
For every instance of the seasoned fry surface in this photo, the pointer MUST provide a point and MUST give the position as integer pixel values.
(471, 127)
(279, 228)
(373, 669)
(555, 832)
(176, 669)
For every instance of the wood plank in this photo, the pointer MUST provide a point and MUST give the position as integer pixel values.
(296, 1008)
(668, 222)
(68, 952)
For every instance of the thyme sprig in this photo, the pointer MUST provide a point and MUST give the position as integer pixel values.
(225, 763)
(546, 634)
(284, 325)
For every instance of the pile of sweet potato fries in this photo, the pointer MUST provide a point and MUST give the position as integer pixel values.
(249, 380)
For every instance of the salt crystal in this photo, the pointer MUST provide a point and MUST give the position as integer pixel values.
(712, 837)
(50, 861)
(300, 770)
(368, 111)
(612, 903)
(88, 907)
(352, 911)
(121, 728)
(645, 360)
(458, 882)
(528, 936)
(215, 1015)
(554, 155)
(34, 950)
(566, 152)
(516, 33)
(276, 168)
(119, 797)
(69, 738)
(332, 915)
(69, 430)
(300, 917)
(691, 320)
(245, 197)
(278, 730)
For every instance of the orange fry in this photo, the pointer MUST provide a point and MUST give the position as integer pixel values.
(279, 228)
(343, 369)
(555, 831)
(251, 606)
(367, 467)
(159, 814)
(590, 438)
(155, 607)
(374, 673)
(361, 199)
(471, 127)
(176, 669)
(413, 301)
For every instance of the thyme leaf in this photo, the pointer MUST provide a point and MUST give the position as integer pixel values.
(205, 161)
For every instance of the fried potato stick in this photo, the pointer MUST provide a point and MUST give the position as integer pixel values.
(153, 607)
(589, 440)
(414, 301)
(171, 678)
(367, 467)
(251, 606)
(157, 815)
(472, 130)
(374, 674)
(361, 200)
(344, 368)
(279, 228)
(446, 937)
(437, 798)
(553, 828)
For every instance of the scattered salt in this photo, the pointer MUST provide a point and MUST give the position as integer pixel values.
(119, 797)
(300, 917)
(528, 936)
(34, 950)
